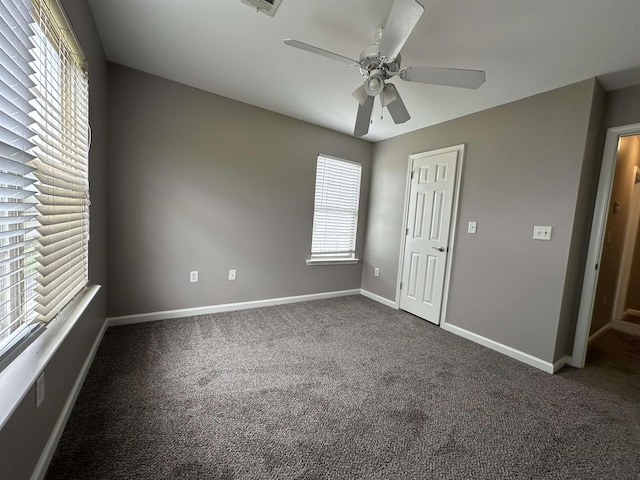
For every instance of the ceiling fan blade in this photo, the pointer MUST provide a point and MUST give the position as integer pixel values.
(391, 99)
(402, 19)
(360, 94)
(320, 51)
(364, 117)
(451, 77)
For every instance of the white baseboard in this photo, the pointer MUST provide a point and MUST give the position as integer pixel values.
(379, 299)
(592, 338)
(227, 307)
(631, 311)
(50, 448)
(499, 347)
(599, 333)
(558, 364)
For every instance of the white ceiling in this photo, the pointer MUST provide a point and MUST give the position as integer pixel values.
(225, 47)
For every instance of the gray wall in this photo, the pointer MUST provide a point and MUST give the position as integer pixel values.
(202, 182)
(623, 107)
(584, 206)
(26, 433)
(523, 167)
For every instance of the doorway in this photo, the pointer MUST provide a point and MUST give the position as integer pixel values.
(612, 248)
(626, 304)
(427, 244)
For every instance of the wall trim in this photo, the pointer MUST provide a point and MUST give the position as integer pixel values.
(631, 311)
(226, 307)
(379, 299)
(501, 348)
(596, 335)
(50, 447)
(558, 364)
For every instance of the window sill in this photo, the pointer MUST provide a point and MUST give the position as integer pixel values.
(20, 375)
(332, 261)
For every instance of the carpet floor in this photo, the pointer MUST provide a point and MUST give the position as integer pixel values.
(344, 388)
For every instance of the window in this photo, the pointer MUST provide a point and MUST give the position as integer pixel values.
(44, 186)
(335, 212)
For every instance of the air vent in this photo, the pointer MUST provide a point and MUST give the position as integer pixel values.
(265, 6)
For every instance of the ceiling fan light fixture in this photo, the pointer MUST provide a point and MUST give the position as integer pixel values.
(374, 84)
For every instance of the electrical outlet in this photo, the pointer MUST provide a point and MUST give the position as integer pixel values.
(193, 276)
(376, 272)
(541, 233)
(472, 227)
(232, 274)
(40, 390)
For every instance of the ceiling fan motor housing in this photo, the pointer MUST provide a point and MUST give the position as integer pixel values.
(370, 59)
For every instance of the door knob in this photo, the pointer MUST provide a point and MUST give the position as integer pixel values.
(440, 249)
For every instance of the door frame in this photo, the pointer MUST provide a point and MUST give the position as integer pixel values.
(453, 225)
(596, 241)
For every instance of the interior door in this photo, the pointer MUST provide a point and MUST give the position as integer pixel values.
(427, 236)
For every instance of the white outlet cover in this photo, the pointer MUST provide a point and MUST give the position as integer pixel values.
(232, 274)
(542, 232)
(193, 276)
(472, 227)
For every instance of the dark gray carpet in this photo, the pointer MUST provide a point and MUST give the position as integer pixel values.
(342, 388)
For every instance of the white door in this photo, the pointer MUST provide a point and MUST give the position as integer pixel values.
(427, 235)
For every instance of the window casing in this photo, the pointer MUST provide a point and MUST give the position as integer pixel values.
(335, 212)
(44, 186)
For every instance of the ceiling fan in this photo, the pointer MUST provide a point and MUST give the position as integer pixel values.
(381, 62)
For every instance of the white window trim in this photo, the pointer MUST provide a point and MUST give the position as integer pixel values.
(21, 374)
(332, 260)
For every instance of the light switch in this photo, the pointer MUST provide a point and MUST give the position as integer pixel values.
(472, 227)
(541, 233)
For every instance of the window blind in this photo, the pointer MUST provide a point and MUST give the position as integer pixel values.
(335, 216)
(44, 145)
(61, 149)
(17, 193)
